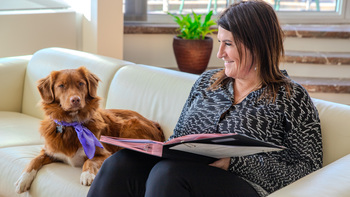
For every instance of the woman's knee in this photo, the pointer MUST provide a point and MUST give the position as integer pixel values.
(165, 168)
(167, 178)
(129, 162)
(167, 172)
(121, 163)
(116, 159)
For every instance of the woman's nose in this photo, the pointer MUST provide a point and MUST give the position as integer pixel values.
(220, 53)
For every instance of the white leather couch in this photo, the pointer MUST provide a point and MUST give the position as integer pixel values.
(158, 94)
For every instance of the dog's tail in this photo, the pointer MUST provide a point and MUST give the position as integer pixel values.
(161, 133)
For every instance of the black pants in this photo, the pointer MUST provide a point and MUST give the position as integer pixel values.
(129, 173)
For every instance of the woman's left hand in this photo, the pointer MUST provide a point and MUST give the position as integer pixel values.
(223, 163)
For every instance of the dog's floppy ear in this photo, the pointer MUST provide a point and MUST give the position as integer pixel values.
(45, 87)
(92, 81)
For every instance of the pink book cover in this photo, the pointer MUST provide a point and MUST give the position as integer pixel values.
(210, 145)
(140, 145)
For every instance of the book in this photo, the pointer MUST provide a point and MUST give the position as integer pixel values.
(214, 146)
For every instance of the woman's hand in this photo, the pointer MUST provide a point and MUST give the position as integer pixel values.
(223, 163)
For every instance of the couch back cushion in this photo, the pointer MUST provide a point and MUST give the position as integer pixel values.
(50, 59)
(335, 127)
(12, 72)
(156, 93)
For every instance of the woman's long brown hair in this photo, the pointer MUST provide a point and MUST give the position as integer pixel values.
(255, 25)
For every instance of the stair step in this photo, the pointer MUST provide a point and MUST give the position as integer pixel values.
(324, 85)
(317, 31)
(329, 58)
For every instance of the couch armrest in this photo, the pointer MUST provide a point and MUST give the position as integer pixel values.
(332, 180)
(12, 73)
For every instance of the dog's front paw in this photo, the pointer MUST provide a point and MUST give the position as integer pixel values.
(86, 178)
(25, 181)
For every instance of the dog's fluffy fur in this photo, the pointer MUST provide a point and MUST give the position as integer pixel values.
(70, 95)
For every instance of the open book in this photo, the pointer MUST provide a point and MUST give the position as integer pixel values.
(208, 145)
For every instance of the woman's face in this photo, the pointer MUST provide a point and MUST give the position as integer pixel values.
(234, 66)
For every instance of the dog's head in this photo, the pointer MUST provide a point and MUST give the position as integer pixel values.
(70, 88)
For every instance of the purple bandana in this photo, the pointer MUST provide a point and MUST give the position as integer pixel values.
(86, 137)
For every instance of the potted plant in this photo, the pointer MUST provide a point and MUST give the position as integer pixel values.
(192, 47)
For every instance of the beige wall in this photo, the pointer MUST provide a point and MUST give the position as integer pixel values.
(96, 28)
(24, 33)
(102, 28)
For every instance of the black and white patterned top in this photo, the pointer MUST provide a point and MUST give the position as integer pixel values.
(291, 121)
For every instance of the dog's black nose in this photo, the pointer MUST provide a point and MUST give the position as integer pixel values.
(75, 100)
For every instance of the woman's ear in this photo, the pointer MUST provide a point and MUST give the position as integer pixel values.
(45, 87)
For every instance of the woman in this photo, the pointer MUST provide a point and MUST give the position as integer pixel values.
(250, 96)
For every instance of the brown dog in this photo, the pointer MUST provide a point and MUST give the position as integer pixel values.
(73, 118)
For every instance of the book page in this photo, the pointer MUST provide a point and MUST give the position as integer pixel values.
(221, 151)
(193, 137)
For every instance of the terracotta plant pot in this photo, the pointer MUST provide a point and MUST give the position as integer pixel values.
(192, 56)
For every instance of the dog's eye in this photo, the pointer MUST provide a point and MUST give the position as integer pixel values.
(81, 84)
(61, 86)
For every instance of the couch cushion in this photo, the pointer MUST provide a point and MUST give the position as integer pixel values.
(332, 180)
(12, 72)
(18, 129)
(335, 127)
(54, 180)
(157, 93)
(47, 60)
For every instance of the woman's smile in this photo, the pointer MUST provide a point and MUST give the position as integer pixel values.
(228, 63)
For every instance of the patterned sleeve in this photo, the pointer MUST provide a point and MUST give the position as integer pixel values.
(302, 139)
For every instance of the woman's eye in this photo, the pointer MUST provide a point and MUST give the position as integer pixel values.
(228, 44)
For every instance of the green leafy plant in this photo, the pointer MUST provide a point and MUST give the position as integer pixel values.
(193, 28)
